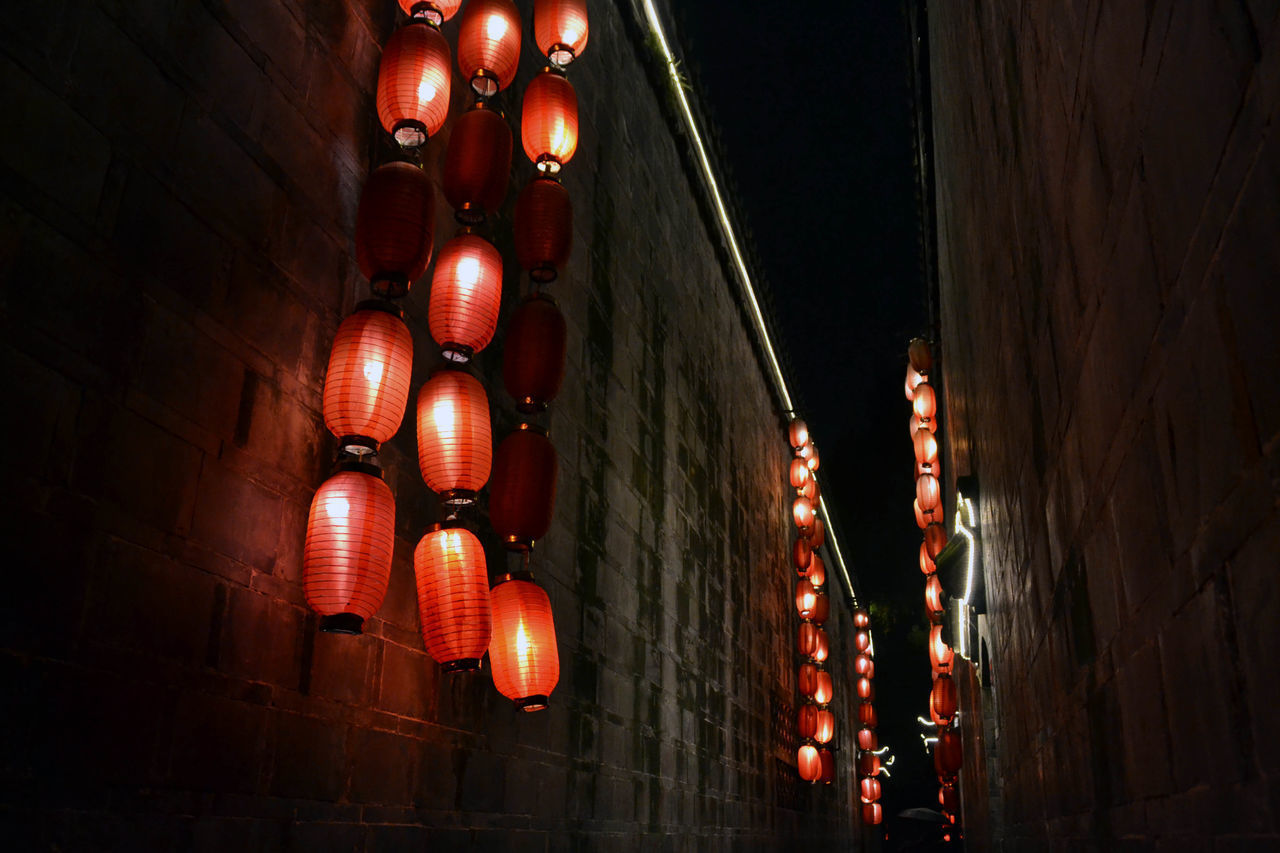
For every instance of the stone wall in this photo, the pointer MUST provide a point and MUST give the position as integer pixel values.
(1107, 219)
(179, 183)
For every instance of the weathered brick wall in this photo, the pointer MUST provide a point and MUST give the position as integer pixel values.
(179, 182)
(1107, 179)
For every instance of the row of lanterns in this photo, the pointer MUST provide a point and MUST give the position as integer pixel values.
(864, 667)
(350, 531)
(947, 751)
(815, 720)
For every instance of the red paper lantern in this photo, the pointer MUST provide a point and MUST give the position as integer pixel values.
(523, 493)
(868, 764)
(935, 539)
(455, 447)
(346, 558)
(925, 402)
(825, 725)
(927, 492)
(822, 647)
(802, 512)
(807, 679)
(413, 83)
(821, 609)
(913, 379)
(948, 753)
(477, 163)
(861, 619)
(949, 798)
(810, 490)
(806, 598)
(799, 473)
(823, 688)
(801, 555)
(927, 566)
(872, 814)
(933, 598)
(940, 654)
(926, 447)
(870, 789)
(916, 423)
(818, 536)
(466, 292)
(920, 355)
(808, 763)
(807, 639)
(867, 714)
(921, 521)
(862, 640)
(489, 45)
(560, 29)
(867, 740)
(817, 573)
(533, 353)
(863, 664)
(549, 121)
(435, 11)
(813, 460)
(523, 652)
(395, 227)
(866, 689)
(807, 721)
(828, 765)
(453, 597)
(798, 433)
(366, 386)
(543, 229)
(942, 698)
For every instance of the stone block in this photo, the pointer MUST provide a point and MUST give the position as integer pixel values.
(408, 682)
(381, 767)
(261, 639)
(218, 745)
(307, 757)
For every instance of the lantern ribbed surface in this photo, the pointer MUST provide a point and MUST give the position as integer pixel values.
(543, 229)
(801, 555)
(477, 163)
(942, 698)
(522, 496)
(466, 292)
(809, 763)
(346, 561)
(549, 121)
(928, 492)
(560, 29)
(453, 597)
(395, 226)
(366, 386)
(533, 353)
(523, 652)
(489, 44)
(445, 8)
(455, 446)
(413, 84)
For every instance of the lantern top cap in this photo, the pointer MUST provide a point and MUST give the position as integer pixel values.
(519, 575)
(379, 304)
(533, 428)
(358, 465)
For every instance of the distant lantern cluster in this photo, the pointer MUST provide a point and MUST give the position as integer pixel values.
(864, 666)
(350, 531)
(947, 755)
(815, 720)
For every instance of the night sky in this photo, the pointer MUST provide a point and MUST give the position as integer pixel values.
(811, 104)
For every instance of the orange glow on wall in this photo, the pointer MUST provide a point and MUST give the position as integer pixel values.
(522, 495)
(560, 29)
(395, 227)
(477, 163)
(413, 83)
(466, 292)
(366, 386)
(346, 558)
(543, 229)
(533, 352)
(455, 447)
(453, 597)
(523, 653)
(489, 45)
(549, 122)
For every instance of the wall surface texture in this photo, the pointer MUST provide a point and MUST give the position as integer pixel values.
(1107, 179)
(178, 184)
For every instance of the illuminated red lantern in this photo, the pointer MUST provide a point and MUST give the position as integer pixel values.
(533, 353)
(413, 83)
(825, 726)
(549, 121)
(805, 450)
(926, 447)
(863, 664)
(560, 29)
(806, 598)
(366, 386)
(543, 229)
(861, 619)
(821, 609)
(921, 521)
(920, 355)
(455, 447)
(522, 495)
(466, 292)
(799, 473)
(822, 647)
(867, 740)
(346, 558)
(807, 639)
(807, 679)
(948, 753)
(872, 814)
(813, 460)
(927, 492)
(867, 714)
(949, 798)
(823, 688)
(940, 654)
(489, 45)
(818, 536)
(802, 512)
(807, 721)
(913, 379)
(828, 767)
(868, 764)
(523, 652)
(395, 227)
(810, 489)
(862, 640)
(477, 163)
(801, 555)
(935, 539)
(933, 604)
(798, 433)
(435, 11)
(866, 689)
(927, 566)
(808, 763)
(453, 597)
(916, 423)
(817, 574)
(942, 698)
(925, 402)
(870, 789)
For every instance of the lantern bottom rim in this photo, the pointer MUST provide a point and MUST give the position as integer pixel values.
(358, 445)
(410, 133)
(461, 665)
(342, 623)
(458, 497)
(517, 543)
(390, 285)
(530, 405)
(457, 353)
(537, 702)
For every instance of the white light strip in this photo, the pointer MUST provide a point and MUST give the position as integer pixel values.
(881, 751)
(965, 505)
(655, 26)
(922, 721)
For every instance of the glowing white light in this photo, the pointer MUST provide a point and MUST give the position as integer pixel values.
(927, 741)
(885, 770)
(572, 36)
(922, 721)
(965, 506)
(373, 372)
(443, 414)
(881, 751)
(496, 27)
(426, 92)
(468, 271)
(337, 507)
